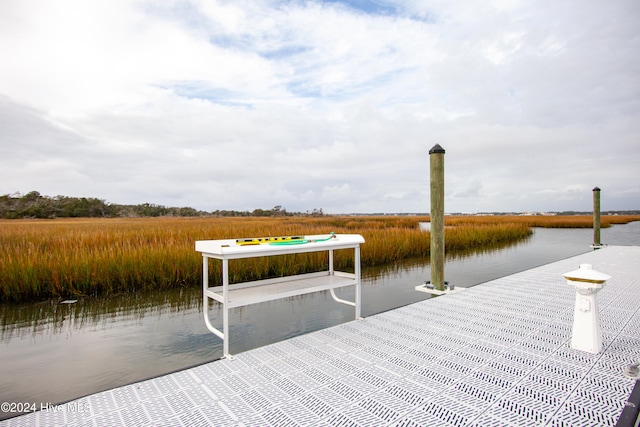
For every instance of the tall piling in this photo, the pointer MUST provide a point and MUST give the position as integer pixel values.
(596, 217)
(436, 160)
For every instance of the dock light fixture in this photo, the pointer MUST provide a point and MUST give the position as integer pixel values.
(586, 334)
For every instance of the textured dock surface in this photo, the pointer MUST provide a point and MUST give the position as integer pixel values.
(496, 354)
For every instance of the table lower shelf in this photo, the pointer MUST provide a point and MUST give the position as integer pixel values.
(241, 294)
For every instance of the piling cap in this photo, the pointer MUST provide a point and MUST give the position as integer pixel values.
(596, 189)
(586, 273)
(436, 149)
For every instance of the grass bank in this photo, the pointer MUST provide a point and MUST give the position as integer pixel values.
(41, 259)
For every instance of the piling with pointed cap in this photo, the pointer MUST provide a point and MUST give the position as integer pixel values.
(596, 217)
(436, 158)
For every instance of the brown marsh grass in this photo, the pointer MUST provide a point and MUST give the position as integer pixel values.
(41, 259)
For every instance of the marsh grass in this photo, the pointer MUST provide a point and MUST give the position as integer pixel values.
(41, 259)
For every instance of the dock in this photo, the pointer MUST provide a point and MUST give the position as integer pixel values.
(497, 354)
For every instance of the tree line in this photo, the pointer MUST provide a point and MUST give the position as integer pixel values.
(36, 205)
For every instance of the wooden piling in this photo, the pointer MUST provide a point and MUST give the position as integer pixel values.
(436, 159)
(596, 217)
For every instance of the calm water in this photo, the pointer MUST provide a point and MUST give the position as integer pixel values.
(56, 352)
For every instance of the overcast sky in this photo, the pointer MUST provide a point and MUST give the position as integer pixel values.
(244, 104)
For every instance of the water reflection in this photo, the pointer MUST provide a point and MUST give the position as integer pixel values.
(19, 321)
(55, 352)
(402, 265)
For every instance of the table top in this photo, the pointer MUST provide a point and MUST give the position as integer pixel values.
(230, 248)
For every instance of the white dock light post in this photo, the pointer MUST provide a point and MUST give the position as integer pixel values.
(436, 160)
(586, 334)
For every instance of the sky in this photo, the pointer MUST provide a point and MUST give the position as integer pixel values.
(332, 105)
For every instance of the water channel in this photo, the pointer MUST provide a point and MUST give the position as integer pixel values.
(53, 352)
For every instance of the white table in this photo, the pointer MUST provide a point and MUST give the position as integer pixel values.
(246, 293)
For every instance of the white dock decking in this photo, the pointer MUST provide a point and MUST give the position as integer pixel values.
(496, 354)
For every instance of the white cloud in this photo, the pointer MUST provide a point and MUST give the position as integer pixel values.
(499, 50)
(240, 105)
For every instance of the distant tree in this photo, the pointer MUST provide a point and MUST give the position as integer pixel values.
(35, 205)
(279, 211)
